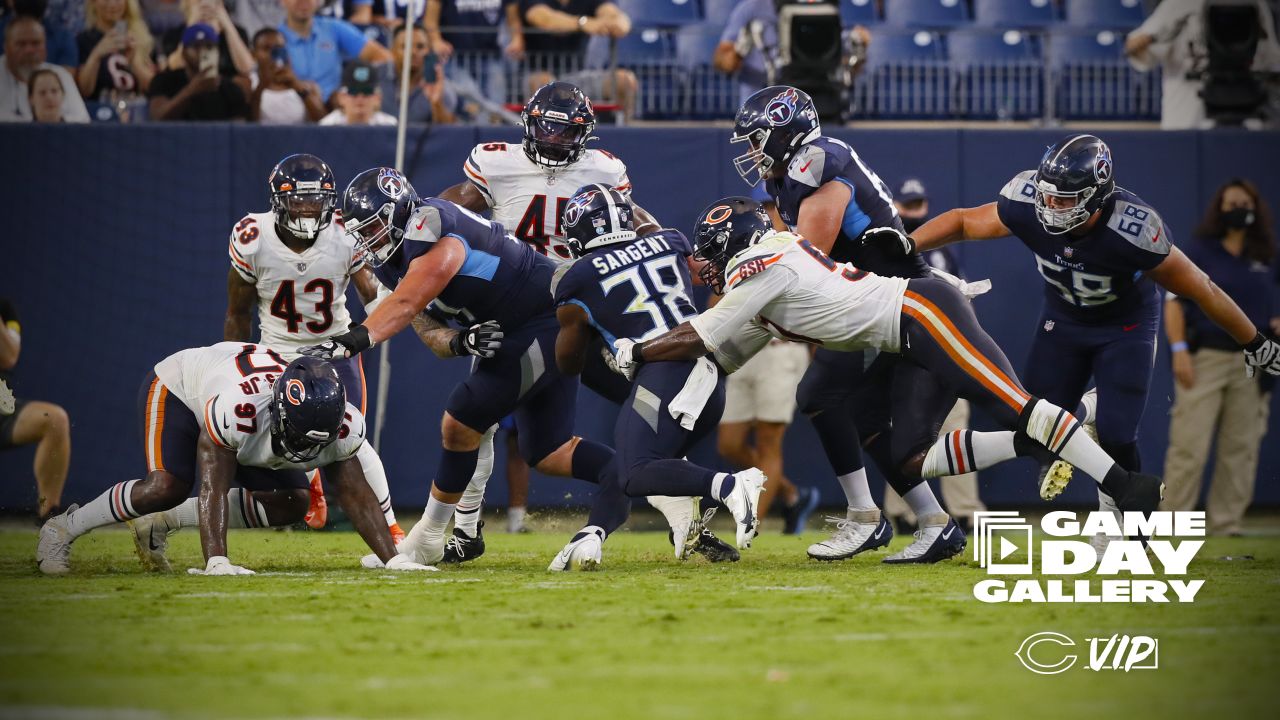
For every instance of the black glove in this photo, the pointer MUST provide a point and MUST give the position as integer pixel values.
(481, 340)
(1261, 353)
(892, 240)
(348, 344)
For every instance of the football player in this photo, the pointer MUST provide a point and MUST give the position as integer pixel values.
(780, 284)
(233, 412)
(525, 188)
(1102, 251)
(432, 252)
(294, 263)
(638, 286)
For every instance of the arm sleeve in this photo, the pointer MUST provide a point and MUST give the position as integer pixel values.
(741, 305)
(473, 169)
(742, 346)
(350, 40)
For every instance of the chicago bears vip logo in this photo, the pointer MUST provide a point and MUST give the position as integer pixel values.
(391, 183)
(782, 108)
(578, 205)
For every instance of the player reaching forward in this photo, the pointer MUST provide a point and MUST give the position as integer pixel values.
(294, 264)
(233, 412)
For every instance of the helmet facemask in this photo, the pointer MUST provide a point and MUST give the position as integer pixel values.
(555, 143)
(1063, 218)
(304, 214)
(712, 252)
(376, 237)
(292, 443)
(753, 160)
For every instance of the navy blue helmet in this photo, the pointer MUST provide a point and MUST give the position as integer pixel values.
(308, 404)
(1074, 178)
(726, 228)
(558, 121)
(596, 215)
(376, 208)
(774, 122)
(303, 195)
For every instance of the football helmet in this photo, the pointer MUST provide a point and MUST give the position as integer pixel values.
(308, 404)
(558, 121)
(726, 228)
(303, 195)
(596, 215)
(1074, 178)
(774, 122)
(376, 207)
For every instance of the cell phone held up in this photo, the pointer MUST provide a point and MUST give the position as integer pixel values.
(429, 64)
(279, 57)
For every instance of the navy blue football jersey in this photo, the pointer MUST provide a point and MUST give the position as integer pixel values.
(638, 290)
(826, 160)
(501, 278)
(1099, 276)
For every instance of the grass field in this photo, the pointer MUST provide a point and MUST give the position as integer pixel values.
(774, 636)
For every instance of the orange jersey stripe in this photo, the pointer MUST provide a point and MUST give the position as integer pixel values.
(474, 175)
(737, 275)
(962, 362)
(235, 258)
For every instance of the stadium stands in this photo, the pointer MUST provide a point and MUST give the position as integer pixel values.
(858, 12)
(1102, 14)
(926, 13)
(1014, 13)
(906, 77)
(668, 13)
(998, 74)
(1093, 81)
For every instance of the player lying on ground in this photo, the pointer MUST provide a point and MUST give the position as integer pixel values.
(782, 285)
(624, 285)
(294, 264)
(232, 412)
(525, 188)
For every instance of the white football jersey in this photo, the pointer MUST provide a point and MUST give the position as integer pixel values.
(528, 200)
(785, 287)
(228, 387)
(301, 296)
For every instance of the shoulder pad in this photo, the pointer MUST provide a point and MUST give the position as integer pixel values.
(807, 165)
(424, 225)
(1021, 188)
(1141, 226)
(561, 272)
(243, 245)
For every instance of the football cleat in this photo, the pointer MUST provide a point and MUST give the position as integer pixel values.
(460, 547)
(151, 540)
(858, 532)
(743, 502)
(397, 535)
(938, 539)
(686, 526)
(7, 402)
(425, 547)
(53, 552)
(318, 512)
(582, 553)
(1055, 479)
(699, 539)
(797, 514)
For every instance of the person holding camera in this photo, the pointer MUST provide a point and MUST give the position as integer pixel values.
(115, 50)
(197, 91)
(279, 97)
(234, 56)
(431, 100)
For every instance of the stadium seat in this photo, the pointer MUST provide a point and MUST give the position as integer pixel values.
(718, 11)
(667, 13)
(1092, 80)
(906, 77)
(1014, 13)
(711, 95)
(858, 12)
(649, 52)
(1104, 13)
(926, 13)
(998, 73)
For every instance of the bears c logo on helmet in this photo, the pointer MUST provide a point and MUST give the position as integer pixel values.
(295, 392)
(718, 214)
(577, 206)
(390, 184)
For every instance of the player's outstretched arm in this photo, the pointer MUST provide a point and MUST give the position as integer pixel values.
(975, 223)
(361, 505)
(241, 296)
(464, 194)
(681, 343)
(571, 342)
(821, 214)
(215, 469)
(427, 277)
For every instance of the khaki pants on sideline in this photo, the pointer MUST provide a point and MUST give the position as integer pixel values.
(1225, 404)
(959, 492)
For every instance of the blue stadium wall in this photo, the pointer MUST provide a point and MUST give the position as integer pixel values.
(115, 255)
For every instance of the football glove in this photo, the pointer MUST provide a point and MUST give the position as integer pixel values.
(891, 240)
(627, 360)
(341, 347)
(482, 340)
(220, 565)
(1261, 353)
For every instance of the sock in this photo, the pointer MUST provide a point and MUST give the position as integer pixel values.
(376, 476)
(467, 515)
(1060, 432)
(965, 451)
(243, 511)
(111, 507)
(515, 518)
(455, 470)
(435, 518)
(722, 485)
(1126, 454)
(589, 460)
(922, 501)
(184, 515)
(677, 510)
(588, 530)
(856, 491)
(467, 520)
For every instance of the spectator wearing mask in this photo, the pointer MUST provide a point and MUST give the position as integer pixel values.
(115, 50)
(234, 56)
(60, 45)
(558, 31)
(429, 102)
(959, 492)
(196, 91)
(279, 97)
(318, 46)
(1213, 398)
(359, 99)
(24, 55)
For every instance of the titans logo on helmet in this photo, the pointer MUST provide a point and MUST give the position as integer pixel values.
(782, 108)
(578, 205)
(1102, 168)
(390, 184)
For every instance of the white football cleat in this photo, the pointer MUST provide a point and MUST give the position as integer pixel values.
(53, 552)
(581, 554)
(858, 532)
(425, 547)
(685, 527)
(151, 540)
(1059, 474)
(938, 539)
(744, 501)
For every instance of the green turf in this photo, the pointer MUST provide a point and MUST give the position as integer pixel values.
(774, 636)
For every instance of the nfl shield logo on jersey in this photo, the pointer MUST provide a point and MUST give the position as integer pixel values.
(1048, 325)
(782, 108)
(302, 267)
(1067, 252)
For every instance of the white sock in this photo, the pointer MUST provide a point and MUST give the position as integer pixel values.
(717, 486)
(515, 518)
(922, 501)
(111, 507)
(856, 491)
(187, 514)
(677, 510)
(964, 451)
(376, 475)
(467, 516)
(1059, 431)
(435, 518)
(245, 512)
